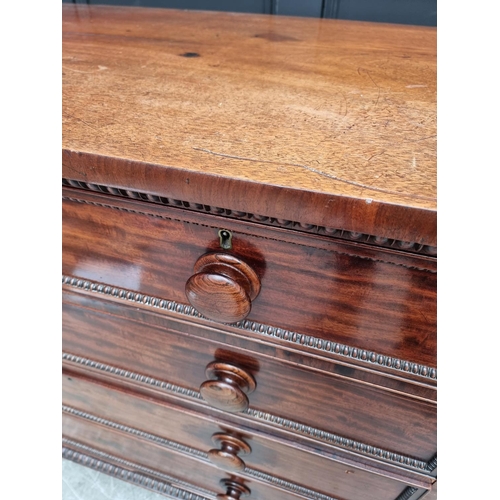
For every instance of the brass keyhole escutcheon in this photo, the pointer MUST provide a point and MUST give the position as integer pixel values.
(226, 239)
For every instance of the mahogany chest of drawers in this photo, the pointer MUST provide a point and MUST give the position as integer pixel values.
(249, 254)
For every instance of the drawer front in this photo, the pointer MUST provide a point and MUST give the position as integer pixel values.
(378, 305)
(192, 433)
(370, 416)
(196, 473)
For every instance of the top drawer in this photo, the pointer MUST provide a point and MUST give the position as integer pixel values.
(369, 305)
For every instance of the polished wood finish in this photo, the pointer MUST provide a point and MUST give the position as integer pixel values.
(318, 121)
(223, 287)
(249, 254)
(432, 494)
(227, 456)
(201, 474)
(231, 266)
(227, 387)
(270, 342)
(366, 298)
(312, 466)
(332, 403)
(234, 490)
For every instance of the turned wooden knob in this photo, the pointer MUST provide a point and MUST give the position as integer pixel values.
(227, 456)
(227, 387)
(234, 490)
(222, 287)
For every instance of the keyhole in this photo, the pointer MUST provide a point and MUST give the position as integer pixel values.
(225, 238)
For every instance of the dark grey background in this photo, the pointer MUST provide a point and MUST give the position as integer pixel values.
(420, 12)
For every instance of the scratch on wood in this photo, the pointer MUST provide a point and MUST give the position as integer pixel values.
(418, 140)
(376, 154)
(69, 166)
(319, 172)
(345, 102)
(78, 71)
(83, 121)
(373, 81)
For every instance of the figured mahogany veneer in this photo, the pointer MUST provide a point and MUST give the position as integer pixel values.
(199, 473)
(249, 254)
(337, 404)
(317, 121)
(192, 434)
(366, 298)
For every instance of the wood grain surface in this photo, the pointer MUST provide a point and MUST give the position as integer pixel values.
(227, 386)
(222, 287)
(227, 451)
(331, 403)
(309, 123)
(253, 341)
(199, 473)
(234, 490)
(323, 121)
(271, 456)
(375, 300)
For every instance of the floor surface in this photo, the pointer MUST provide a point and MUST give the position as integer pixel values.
(82, 483)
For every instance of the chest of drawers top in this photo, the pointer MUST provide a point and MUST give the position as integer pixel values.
(323, 124)
(290, 160)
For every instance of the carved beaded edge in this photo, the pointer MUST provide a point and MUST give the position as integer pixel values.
(432, 465)
(193, 452)
(165, 486)
(143, 211)
(285, 423)
(167, 443)
(261, 219)
(345, 351)
(407, 493)
(287, 485)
